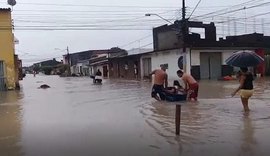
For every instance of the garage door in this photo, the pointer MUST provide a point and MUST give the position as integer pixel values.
(210, 65)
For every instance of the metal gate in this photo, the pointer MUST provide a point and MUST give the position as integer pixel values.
(210, 64)
(2, 77)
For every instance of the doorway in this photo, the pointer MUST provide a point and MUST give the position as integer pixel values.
(2, 76)
(147, 67)
(210, 65)
(105, 71)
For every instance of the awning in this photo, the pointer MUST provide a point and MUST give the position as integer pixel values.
(99, 63)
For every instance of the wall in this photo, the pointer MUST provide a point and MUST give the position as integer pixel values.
(195, 61)
(195, 55)
(117, 67)
(169, 57)
(100, 68)
(7, 47)
(167, 40)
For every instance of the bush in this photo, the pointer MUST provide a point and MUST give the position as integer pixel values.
(47, 70)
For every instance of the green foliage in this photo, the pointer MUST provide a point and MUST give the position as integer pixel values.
(36, 68)
(62, 68)
(47, 70)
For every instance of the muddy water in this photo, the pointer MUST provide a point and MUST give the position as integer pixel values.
(75, 117)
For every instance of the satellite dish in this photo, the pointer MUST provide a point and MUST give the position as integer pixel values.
(11, 2)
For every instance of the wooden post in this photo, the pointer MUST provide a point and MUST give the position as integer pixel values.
(177, 119)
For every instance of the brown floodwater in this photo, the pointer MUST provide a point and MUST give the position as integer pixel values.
(118, 118)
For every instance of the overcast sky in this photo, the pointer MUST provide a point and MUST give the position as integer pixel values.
(45, 28)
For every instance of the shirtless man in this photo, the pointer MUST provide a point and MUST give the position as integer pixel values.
(161, 79)
(191, 85)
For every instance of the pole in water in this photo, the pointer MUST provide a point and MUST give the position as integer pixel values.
(177, 119)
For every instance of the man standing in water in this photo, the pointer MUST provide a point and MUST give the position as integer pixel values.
(191, 85)
(160, 81)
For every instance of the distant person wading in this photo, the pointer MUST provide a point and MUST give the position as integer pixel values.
(98, 77)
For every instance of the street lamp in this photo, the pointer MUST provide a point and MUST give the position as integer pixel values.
(159, 17)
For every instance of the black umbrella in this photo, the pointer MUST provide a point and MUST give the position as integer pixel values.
(244, 59)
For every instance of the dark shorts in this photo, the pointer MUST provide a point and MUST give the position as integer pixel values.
(158, 89)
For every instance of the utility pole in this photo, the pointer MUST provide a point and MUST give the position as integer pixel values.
(184, 28)
(183, 10)
(184, 34)
(68, 61)
(184, 25)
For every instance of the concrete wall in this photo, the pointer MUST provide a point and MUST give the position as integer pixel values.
(195, 55)
(123, 67)
(169, 57)
(7, 48)
(195, 61)
(167, 40)
(191, 61)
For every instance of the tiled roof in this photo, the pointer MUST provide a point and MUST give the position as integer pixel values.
(5, 9)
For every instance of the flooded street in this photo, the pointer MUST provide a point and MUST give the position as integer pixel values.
(118, 118)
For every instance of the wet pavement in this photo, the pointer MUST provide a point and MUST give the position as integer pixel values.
(118, 118)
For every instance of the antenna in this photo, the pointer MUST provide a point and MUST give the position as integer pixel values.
(11, 2)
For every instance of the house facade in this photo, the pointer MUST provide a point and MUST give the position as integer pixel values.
(204, 58)
(127, 67)
(99, 62)
(8, 71)
(88, 62)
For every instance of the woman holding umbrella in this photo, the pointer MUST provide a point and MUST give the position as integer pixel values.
(245, 87)
(244, 59)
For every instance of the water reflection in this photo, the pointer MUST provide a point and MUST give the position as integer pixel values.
(119, 118)
(10, 123)
(248, 140)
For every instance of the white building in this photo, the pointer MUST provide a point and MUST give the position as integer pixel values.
(204, 58)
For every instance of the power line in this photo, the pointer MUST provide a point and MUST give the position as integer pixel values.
(100, 6)
(136, 40)
(216, 13)
(146, 45)
(195, 8)
(69, 29)
(89, 11)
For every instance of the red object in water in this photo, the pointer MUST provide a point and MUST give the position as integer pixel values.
(227, 78)
(260, 69)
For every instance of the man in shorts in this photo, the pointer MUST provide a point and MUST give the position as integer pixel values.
(160, 82)
(191, 85)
